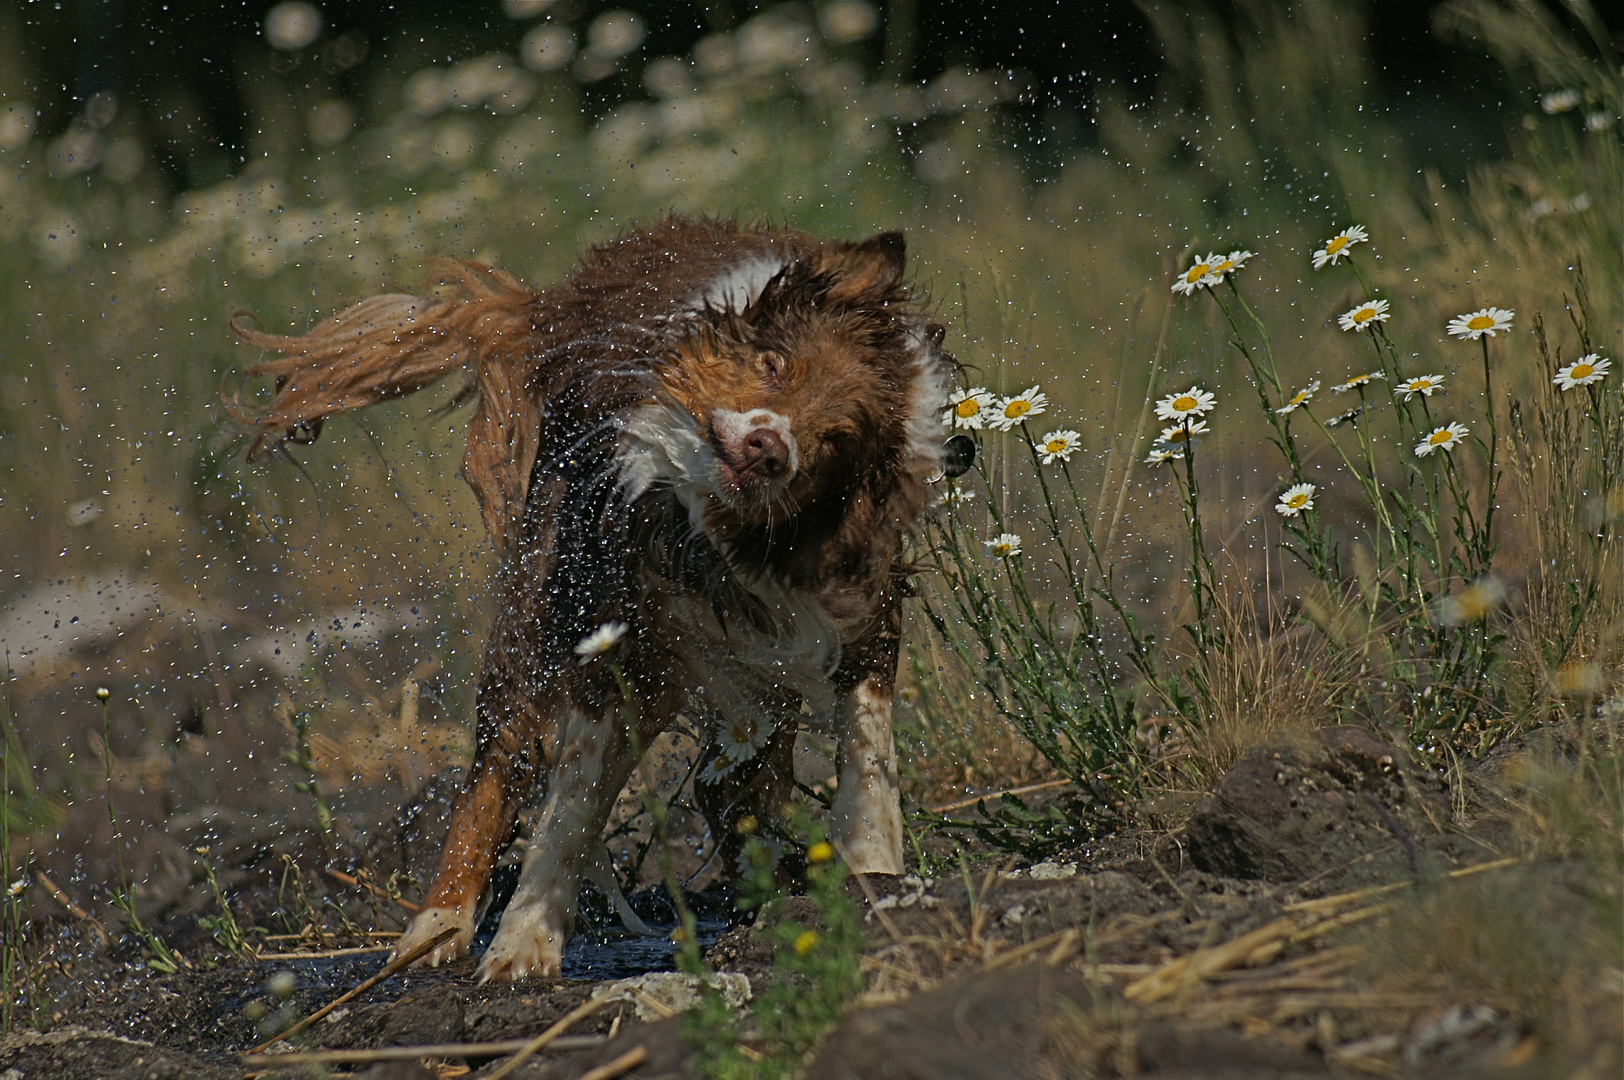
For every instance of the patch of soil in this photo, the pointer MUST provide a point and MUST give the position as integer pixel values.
(1223, 951)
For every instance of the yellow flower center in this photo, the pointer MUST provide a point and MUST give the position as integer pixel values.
(1054, 446)
(1196, 273)
(1480, 322)
(1296, 501)
(1438, 438)
(1421, 384)
(1302, 396)
(1364, 314)
(1184, 403)
(805, 942)
(1018, 407)
(1336, 245)
(1223, 267)
(1581, 371)
(967, 408)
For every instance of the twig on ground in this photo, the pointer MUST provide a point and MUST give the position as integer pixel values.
(339, 875)
(75, 910)
(412, 1053)
(525, 1053)
(625, 1062)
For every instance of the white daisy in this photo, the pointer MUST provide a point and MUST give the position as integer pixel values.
(1444, 438)
(1160, 454)
(1199, 274)
(1337, 246)
(1003, 546)
(1357, 381)
(1421, 384)
(1599, 121)
(957, 496)
(1489, 320)
(1342, 418)
(1185, 432)
(1014, 410)
(1192, 403)
(1222, 265)
(1590, 368)
(1300, 398)
(739, 741)
(969, 408)
(600, 641)
(1371, 311)
(1059, 444)
(1296, 499)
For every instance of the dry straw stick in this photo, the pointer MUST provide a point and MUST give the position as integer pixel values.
(412, 1053)
(530, 1049)
(631, 1059)
(388, 970)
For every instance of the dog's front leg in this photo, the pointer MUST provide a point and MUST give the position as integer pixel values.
(593, 765)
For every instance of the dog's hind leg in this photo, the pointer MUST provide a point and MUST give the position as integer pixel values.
(482, 820)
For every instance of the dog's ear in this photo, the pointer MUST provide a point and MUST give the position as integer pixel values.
(870, 268)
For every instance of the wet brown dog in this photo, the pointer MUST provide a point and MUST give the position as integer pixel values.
(711, 441)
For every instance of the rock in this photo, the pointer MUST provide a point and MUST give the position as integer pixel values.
(1333, 803)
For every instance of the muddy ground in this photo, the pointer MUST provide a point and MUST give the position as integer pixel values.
(1241, 945)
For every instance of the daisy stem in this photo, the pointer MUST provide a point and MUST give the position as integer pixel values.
(1494, 442)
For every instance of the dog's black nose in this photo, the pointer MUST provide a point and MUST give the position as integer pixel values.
(958, 454)
(764, 453)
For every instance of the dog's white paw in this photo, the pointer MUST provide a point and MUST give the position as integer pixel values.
(429, 923)
(529, 942)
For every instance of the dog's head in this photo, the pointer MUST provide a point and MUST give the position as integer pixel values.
(804, 378)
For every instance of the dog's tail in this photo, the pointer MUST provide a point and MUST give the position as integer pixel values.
(389, 346)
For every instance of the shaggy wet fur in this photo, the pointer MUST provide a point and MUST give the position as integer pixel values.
(717, 438)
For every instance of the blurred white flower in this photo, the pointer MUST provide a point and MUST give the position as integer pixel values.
(1358, 381)
(17, 120)
(547, 47)
(601, 640)
(615, 33)
(1559, 101)
(847, 20)
(1160, 454)
(1003, 546)
(331, 121)
(1300, 398)
(525, 9)
(292, 24)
